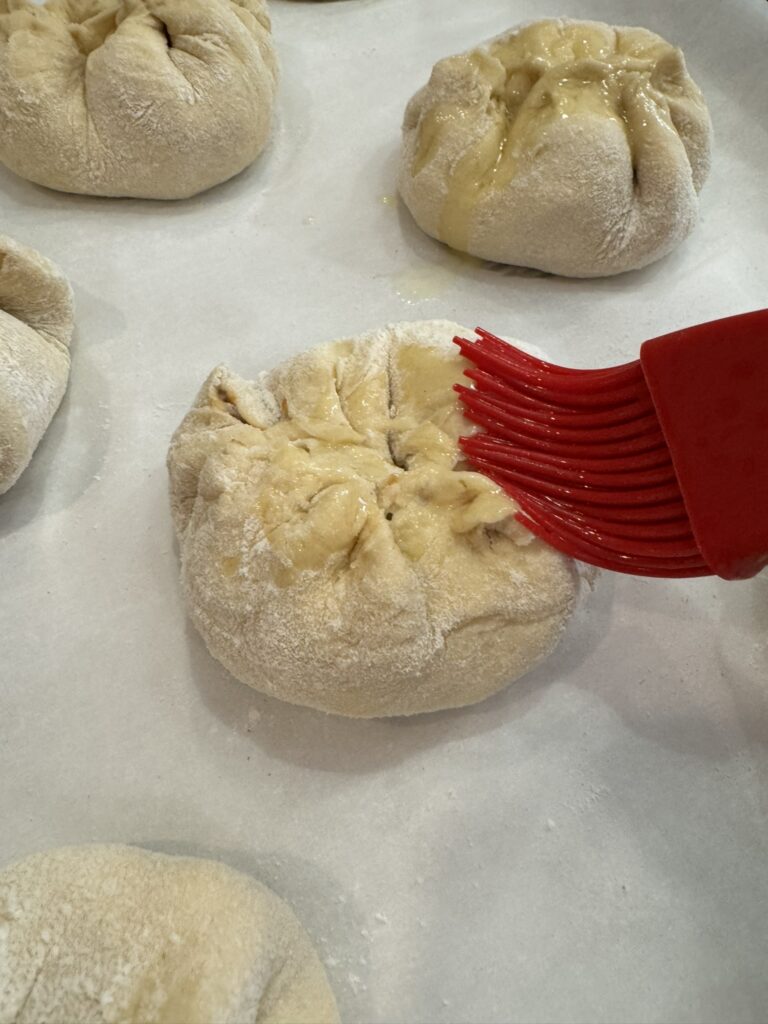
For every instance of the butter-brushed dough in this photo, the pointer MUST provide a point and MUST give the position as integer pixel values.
(118, 935)
(158, 99)
(569, 146)
(335, 550)
(36, 325)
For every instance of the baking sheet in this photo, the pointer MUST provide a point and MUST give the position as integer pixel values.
(590, 845)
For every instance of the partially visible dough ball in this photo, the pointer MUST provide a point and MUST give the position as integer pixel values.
(36, 325)
(568, 146)
(336, 551)
(158, 99)
(118, 935)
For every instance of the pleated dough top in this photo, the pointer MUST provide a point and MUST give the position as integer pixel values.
(158, 99)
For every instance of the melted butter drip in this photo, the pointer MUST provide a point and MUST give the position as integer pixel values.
(545, 73)
(420, 283)
(230, 567)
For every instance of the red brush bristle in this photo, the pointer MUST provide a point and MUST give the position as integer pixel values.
(583, 455)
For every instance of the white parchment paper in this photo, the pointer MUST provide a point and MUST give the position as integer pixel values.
(592, 845)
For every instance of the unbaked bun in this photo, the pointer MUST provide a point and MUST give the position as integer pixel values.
(568, 146)
(117, 935)
(158, 99)
(335, 550)
(36, 324)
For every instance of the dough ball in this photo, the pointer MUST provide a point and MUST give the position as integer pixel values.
(569, 146)
(36, 324)
(158, 99)
(335, 550)
(117, 935)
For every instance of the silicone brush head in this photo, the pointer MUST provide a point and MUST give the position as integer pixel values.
(655, 468)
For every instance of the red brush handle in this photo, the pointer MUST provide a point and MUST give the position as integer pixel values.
(709, 386)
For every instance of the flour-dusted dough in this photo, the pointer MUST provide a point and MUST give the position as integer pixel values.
(572, 147)
(117, 935)
(335, 550)
(36, 324)
(158, 99)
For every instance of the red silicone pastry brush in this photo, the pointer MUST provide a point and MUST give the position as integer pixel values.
(655, 468)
